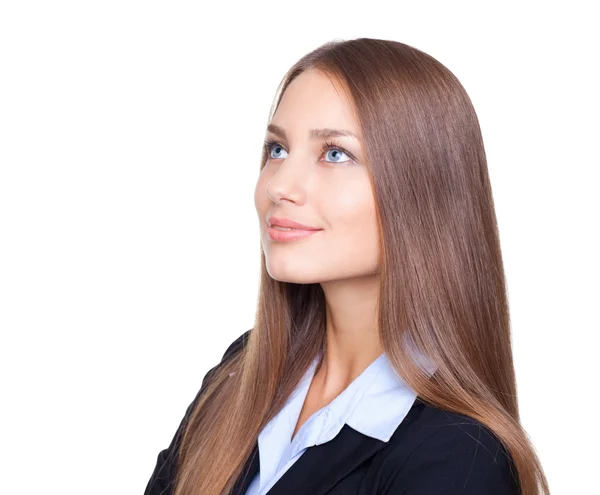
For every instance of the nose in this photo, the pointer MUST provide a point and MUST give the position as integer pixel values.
(290, 181)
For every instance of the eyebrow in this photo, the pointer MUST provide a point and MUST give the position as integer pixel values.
(313, 133)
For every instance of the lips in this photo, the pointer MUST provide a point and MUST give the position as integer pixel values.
(281, 234)
(290, 224)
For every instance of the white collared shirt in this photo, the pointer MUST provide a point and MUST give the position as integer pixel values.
(374, 404)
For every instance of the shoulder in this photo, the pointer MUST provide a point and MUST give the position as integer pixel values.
(232, 349)
(236, 345)
(435, 451)
(163, 475)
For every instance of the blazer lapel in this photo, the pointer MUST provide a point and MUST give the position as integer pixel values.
(319, 468)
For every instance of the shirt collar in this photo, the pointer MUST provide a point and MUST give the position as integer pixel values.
(375, 403)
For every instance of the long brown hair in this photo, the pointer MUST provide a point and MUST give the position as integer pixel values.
(442, 275)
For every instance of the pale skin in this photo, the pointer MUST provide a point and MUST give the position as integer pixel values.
(328, 190)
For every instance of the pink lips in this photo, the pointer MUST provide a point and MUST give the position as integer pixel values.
(299, 230)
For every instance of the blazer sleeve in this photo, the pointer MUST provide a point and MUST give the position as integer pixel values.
(162, 479)
(457, 459)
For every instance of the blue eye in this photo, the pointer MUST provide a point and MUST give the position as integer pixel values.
(337, 152)
(271, 145)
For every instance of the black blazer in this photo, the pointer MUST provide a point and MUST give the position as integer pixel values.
(432, 452)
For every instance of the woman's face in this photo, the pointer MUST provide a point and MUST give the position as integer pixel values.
(324, 189)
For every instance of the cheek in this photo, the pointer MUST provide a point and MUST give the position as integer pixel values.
(353, 233)
(351, 209)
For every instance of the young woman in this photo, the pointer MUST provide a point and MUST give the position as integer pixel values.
(380, 360)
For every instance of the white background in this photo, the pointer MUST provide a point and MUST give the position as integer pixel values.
(130, 138)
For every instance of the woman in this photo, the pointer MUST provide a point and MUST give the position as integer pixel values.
(380, 361)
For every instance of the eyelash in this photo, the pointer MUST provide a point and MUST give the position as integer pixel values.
(327, 145)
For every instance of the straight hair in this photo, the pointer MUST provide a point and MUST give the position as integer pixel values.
(442, 286)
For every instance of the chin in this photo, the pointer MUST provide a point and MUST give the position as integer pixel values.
(292, 275)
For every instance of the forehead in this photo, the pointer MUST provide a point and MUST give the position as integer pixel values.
(313, 100)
